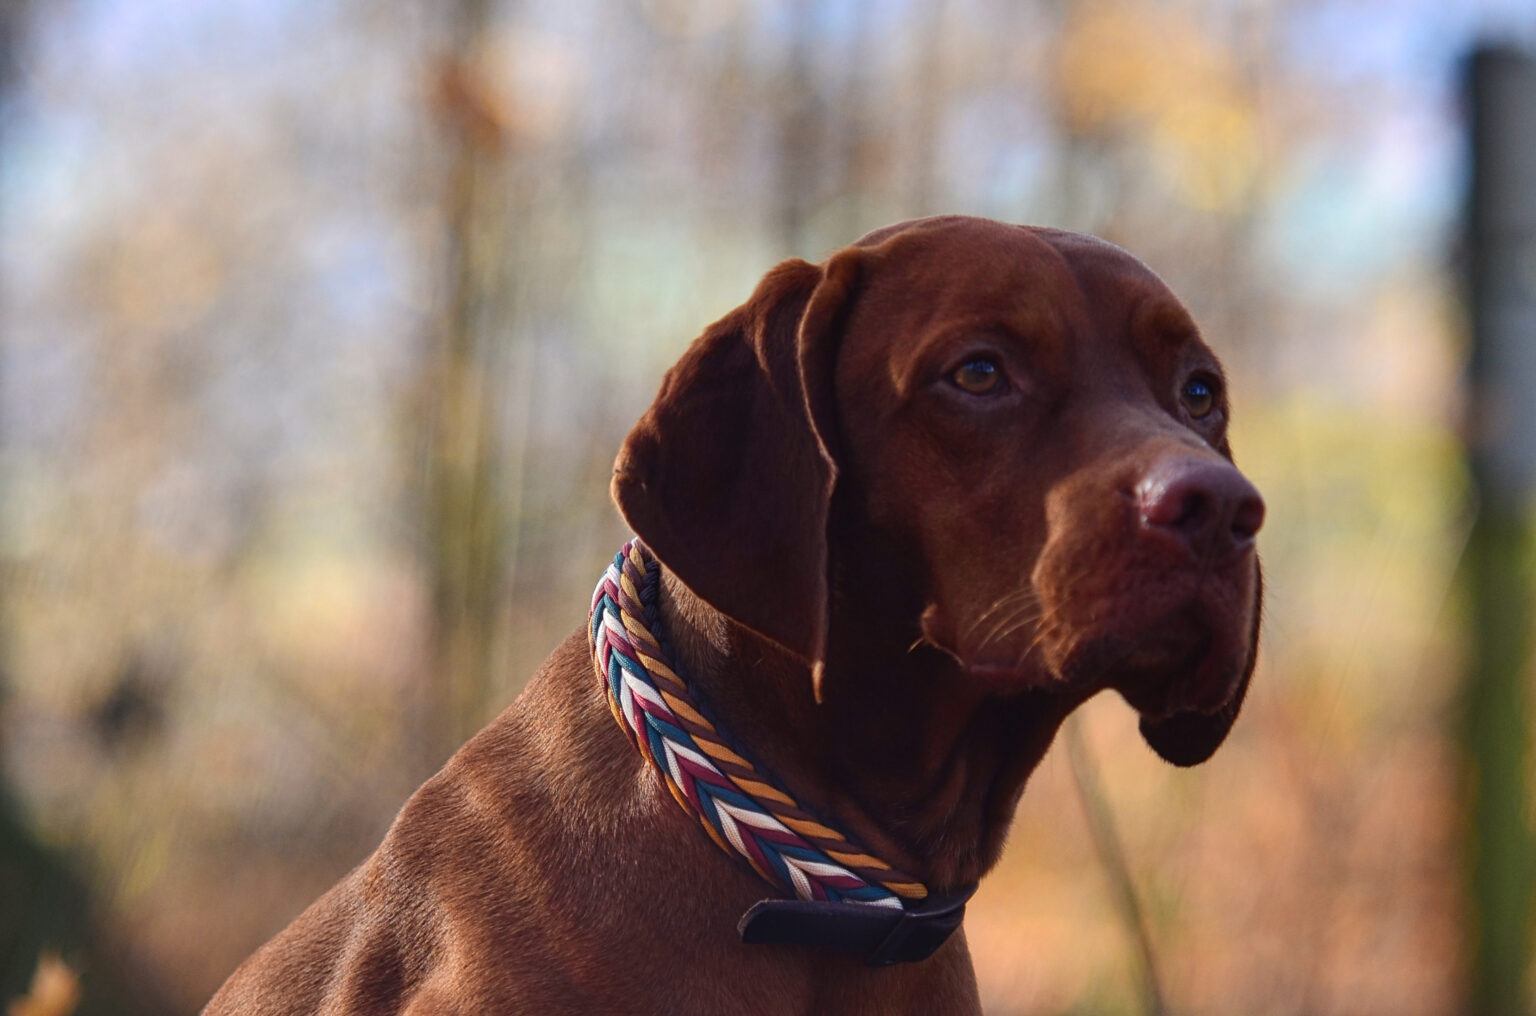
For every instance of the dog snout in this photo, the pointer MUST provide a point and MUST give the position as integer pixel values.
(1205, 504)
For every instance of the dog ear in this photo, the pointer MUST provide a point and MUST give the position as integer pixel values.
(728, 477)
(1188, 739)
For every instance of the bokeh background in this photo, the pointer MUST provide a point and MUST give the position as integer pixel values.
(322, 322)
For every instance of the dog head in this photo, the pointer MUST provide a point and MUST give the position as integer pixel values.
(1027, 419)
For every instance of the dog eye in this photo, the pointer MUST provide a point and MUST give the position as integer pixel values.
(1199, 397)
(978, 376)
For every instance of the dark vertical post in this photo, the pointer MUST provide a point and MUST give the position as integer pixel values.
(1501, 234)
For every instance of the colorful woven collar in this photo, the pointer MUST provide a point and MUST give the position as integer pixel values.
(742, 809)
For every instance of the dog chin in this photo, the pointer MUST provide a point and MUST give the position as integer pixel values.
(1202, 685)
(1180, 663)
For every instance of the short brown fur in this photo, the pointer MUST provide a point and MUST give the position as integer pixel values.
(889, 589)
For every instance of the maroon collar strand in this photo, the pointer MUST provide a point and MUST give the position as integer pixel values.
(843, 897)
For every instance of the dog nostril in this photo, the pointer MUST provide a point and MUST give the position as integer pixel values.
(1188, 509)
(1248, 517)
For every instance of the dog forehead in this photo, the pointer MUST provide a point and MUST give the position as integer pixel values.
(971, 242)
(949, 276)
(958, 245)
(954, 273)
(1113, 278)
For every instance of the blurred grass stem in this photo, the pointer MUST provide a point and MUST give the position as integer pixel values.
(1107, 845)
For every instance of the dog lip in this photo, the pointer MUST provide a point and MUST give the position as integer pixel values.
(992, 671)
(1014, 677)
(1164, 662)
(1169, 651)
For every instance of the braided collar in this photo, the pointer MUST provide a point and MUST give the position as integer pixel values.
(841, 895)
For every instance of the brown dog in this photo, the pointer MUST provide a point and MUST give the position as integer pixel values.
(911, 507)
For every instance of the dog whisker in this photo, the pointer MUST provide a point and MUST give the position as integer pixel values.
(1028, 602)
(1024, 592)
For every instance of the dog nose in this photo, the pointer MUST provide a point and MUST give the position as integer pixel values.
(1206, 503)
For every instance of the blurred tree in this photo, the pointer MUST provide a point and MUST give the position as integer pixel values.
(931, 98)
(45, 906)
(467, 525)
(801, 117)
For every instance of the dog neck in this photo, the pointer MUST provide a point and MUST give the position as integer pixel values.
(742, 807)
(908, 754)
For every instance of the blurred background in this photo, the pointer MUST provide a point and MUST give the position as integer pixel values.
(322, 323)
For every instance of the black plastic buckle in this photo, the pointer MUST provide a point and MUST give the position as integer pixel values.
(885, 935)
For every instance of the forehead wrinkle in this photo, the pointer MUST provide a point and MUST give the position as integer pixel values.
(1113, 329)
(1036, 300)
(1162, 320)
(1163, 337)
(1105, 274)
(1131, 307)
